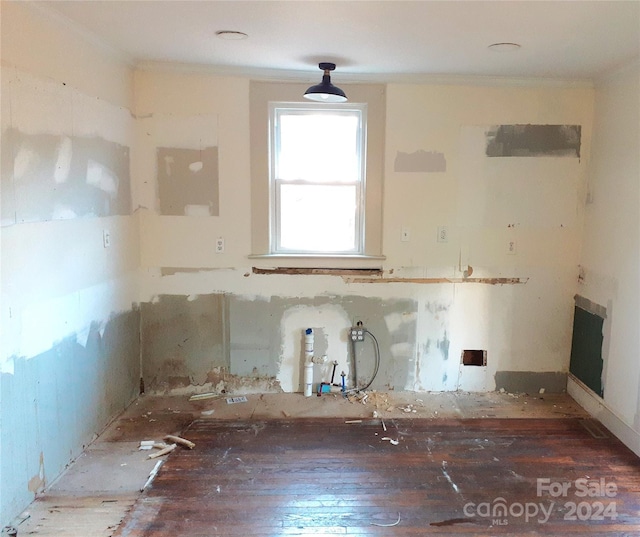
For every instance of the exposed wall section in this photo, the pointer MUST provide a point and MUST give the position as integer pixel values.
(184, 340)
(239, 343)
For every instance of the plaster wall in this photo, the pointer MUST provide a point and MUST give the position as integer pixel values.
(69, 351)
(506, 217)
(610, 257)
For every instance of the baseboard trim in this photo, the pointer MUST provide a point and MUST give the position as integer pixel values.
(597, 407)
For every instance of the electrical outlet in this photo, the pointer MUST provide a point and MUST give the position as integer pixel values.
(219, 245)
(357, 333)
(512, 247)
(405, 234)
(443, 234)
(106, 238)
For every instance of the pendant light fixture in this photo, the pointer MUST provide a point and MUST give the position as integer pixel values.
(326, 92)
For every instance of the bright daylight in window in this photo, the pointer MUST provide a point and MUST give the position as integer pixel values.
(317, 156)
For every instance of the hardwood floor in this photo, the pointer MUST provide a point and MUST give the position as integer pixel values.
(303, 477)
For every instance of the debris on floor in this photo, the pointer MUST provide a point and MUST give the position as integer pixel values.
(353, 421)
(152, 475)
(233, 400)
(146, 445)
(207, 412)
(391, 440)
(179, 440)
(164, 451)
(201, 396)
(387, 525)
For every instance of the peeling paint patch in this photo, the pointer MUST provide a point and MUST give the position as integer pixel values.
(37, 483)
(420, 161)
(188, 181)
(533, 141)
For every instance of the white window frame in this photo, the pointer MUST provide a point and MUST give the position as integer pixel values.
(275, 110)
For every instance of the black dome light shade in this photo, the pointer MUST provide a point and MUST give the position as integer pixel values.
(326, 92)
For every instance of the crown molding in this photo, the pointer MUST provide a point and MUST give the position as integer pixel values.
(283, 75)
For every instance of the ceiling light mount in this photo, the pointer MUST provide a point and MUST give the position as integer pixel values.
(504, 47)
(231, 35)
(326, 92)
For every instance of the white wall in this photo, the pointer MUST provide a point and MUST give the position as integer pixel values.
(538, 201)
(610, 256)
(69, 353)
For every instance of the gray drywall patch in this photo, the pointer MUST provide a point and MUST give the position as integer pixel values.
(52, 177)
(254, 337)
(54, 403)
(184, 340)
(188, 181)
(533, 141)
(420, 161)
(531, 381)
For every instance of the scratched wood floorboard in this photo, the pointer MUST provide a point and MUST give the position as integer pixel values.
(323, 477)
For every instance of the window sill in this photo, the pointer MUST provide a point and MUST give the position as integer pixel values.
(317, 256)
(319, 262)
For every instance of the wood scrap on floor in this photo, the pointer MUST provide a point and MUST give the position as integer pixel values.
(179, 440)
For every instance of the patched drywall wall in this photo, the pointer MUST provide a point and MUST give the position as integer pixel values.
(420, 161)
(200, 341)
(501, 279)
(531, 382)
(57, 177)
(610, 259)
(184, 340)
(70, 346)
(533, 141)
(55, 403)
(177, 163)
(188, 181)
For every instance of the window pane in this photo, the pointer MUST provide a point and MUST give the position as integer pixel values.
(318, 148)
(318, 218)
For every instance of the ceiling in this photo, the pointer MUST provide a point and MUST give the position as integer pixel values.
(383, 41)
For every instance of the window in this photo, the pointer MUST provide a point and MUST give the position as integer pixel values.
(317, 178)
